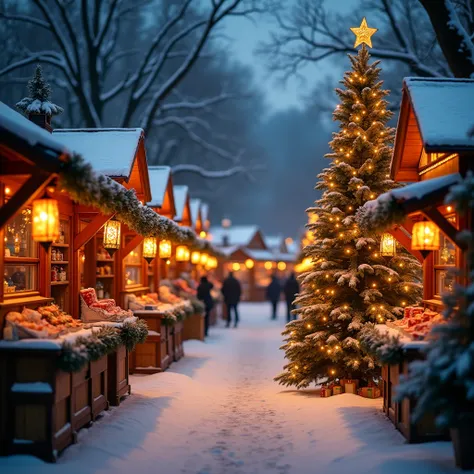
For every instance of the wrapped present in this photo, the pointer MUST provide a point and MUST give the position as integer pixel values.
(369, 392)
(350, 385)
(336, 390)
(325, 391)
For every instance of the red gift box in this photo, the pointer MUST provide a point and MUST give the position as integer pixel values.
(325, 391)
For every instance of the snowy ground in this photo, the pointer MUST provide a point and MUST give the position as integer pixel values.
(218, 411)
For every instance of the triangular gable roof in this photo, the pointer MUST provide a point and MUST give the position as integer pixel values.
(205, 215)
(436, 114)
(276, 243)
(115, 152)
(182, 204)
(240, 235)
(196, 217)
(162, 195)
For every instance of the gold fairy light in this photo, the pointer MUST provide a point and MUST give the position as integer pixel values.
(363, 34)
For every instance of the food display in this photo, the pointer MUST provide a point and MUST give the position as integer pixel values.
(149, 301)
(184, 286)
(93, 309)
(417, 322)
(46, 322)
(167, 296)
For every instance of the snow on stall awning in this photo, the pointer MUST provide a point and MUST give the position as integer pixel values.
(111, 151)
(159, 178)
(22, 135)
(181, 193)
(444, 111)
(392, 208)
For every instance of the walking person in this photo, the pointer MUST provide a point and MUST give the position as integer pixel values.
(232, 291)
(290, 289)
(273, 294)
(204, 294)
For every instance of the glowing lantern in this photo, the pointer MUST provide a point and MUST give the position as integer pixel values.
(211, 262)
(425, 236)
(195, 257)
(202, 234)
(268, 265)
(236, 266)
(249, 263)
(112, 236)
(281, 266)
(149, 248)
(388, 246)
(182, 253)
(45, 221)
(204, 258)
(165, 249)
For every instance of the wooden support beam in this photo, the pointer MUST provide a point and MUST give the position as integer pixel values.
(135, 242)
(92, 228)
(444, 225)
(405, 241)
(28, 191)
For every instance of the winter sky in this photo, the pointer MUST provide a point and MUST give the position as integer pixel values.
(246, 35)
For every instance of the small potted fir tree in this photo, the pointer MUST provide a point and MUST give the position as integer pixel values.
(443, 383)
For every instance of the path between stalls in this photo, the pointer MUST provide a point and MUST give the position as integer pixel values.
(218, 411)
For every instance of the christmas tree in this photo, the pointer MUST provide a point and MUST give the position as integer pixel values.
(38, 101)
(351, 284)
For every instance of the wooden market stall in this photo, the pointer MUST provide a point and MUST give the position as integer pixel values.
(42, 406)
(433, 150)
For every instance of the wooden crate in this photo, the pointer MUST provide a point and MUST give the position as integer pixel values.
(178, 350)
(98, 387)
(36, 404)
(401, 413)
(154, 355)
(193, 327)
(117, 376)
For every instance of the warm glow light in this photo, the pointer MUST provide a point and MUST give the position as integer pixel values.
(204, 259)
(195, 257)
(268, 265)
(202, 234)
(149, 248)
(387, 245)
(182, 253)
(112, 236)
(281, 266)
(45, 220)
(425, 236)
(236, 266)
(165, 249)
(449, 208)
(332, 371)
(7, 190)
(249, 263)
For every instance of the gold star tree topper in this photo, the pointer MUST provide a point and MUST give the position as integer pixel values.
(363, 34)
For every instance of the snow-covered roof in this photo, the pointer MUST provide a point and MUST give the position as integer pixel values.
(239, 235)
(444, 111)
(111, 151)
(159, 178)
(274, 241)
(228, 251)
(180, 195)
(195, 205)
(20, 128)
(293, 248)
(204, 212)
(262, 255)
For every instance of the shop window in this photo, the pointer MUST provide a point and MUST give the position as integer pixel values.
(21, 256)
(445, 262)
(133, 268)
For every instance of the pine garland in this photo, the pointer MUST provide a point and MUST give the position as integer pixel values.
(74, 356)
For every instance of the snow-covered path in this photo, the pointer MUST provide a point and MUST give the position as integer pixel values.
(218, 411)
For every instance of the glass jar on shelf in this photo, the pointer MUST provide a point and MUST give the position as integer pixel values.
(99, 288)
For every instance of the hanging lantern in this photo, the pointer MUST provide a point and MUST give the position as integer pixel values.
(388, 246)
(112, 236)
(149, 248)
(236, 267)
(268, 265)
(425, 236)
(204, 258)
(249, 263)
(182, 253)
(195, 257)
(281, 266)
(214, 262)
(202, 234)
(165, 249)
(45, 221)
